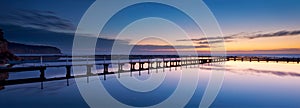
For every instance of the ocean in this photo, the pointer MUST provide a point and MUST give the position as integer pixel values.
(245, 84)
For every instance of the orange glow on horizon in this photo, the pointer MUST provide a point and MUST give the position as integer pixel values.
(270, 45)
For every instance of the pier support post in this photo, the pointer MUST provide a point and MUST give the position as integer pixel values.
(149, 65)
(68, 69)
(68, 73)
(157, 64)
(89, 69)
(120, 69)
(171, 64)
(132, 66)
(105, 70)
(165, 63)
(42, 76)
(42, 73)
(141, 65)
(185, 62)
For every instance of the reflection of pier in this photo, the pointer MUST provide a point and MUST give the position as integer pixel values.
(266, 59)
(143, 65)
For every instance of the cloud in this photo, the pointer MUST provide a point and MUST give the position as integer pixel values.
(269, 51)
(282, 49)
(244, 35)
(47, 28)
(165, 47)
(45, 20)
(209, 38)
(64, 41)
(61, 40)
(275, 34)
(212, 42)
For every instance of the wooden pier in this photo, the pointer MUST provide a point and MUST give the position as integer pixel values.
(160, 63)
(264, 59)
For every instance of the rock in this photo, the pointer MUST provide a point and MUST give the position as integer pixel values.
(9, 49)
(18, 48)
(5, 54)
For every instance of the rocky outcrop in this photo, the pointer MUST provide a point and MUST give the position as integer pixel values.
(9, 49)
(18, 48)
(5, 54)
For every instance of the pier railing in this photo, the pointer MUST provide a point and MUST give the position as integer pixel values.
(264, 59)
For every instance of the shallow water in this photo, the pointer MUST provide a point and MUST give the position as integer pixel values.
(246, 84)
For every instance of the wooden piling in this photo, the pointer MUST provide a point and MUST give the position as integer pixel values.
(42, 73)
(149, 66)
(132, 66)
(42, 76)
(105, 70)
(89, 69)
(120, 67)
(141, 65)
(68, 69)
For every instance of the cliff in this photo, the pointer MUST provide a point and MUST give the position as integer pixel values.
(9, 49)
(18, 48)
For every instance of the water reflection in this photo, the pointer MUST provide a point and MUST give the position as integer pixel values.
(259, 85)
(142, 99)
(246, 85)
(278, 73)
(258, 71)
(243, 69)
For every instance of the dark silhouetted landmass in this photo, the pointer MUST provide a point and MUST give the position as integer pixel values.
(18, 48)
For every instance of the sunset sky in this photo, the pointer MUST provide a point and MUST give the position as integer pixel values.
(248, 26)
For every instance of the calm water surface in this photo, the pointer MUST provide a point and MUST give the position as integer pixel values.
(246, 84)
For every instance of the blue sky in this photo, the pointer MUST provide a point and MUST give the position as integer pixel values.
(239, 18)
(255, 15)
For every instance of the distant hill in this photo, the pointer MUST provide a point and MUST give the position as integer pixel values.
(18, 48)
